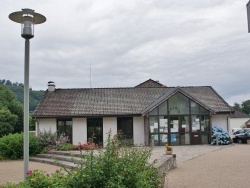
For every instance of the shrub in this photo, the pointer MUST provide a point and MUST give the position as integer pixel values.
(40, 179)
(115, 166)
(49, 141)
(64, 147)
(12, 146)
(223, 136)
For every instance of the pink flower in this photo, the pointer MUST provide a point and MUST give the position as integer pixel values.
(29, 172)
(47, 174)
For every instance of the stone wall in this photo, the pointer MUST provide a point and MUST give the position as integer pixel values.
(165, 164)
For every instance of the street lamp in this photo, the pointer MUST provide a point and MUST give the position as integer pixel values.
(27, 18)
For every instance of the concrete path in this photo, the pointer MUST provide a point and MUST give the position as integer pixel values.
(228, 167)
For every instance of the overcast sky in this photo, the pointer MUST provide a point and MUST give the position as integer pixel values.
(115, 43)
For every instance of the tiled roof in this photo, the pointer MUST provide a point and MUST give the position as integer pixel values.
(118, 101)
(150, 83)
(239, 114)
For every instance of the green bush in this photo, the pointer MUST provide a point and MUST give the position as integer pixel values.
(113, 167)
(12, 146)
(49, 141)
(64, 147)
(116, 167)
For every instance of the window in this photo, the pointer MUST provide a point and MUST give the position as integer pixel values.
(203, 111)
(195, 123)
(64, 126)
(163, 108)
(178, 104)
(95, 130)
(163, 120)
(153, 122)
(194, 107)
(125, 126)
(153, 112)
(205, 123)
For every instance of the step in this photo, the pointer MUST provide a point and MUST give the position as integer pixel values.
(71, 159)
(66, 153)
(65, 164)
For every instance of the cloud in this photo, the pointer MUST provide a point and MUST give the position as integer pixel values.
(123, 43)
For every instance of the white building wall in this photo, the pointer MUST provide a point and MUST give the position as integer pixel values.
(220, 120)
(109, 124)
(138, 130)
(79, 130)
(237, 122)
(46, 125)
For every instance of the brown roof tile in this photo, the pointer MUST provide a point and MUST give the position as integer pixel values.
(118, 101)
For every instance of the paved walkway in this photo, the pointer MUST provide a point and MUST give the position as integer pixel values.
(225, 168)
(13, 170)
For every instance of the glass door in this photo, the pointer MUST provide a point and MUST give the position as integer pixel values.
(184, 130)
(174, 130)
(196, 130)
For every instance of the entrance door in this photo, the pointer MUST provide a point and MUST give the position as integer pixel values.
(184, 130)
(196, 130)
(174, 130)
(95, 130)
(179, 130)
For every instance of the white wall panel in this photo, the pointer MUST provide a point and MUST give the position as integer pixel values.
(138, 129)
(220, 120)
(46, 125)
(79, 130)
(109, 124)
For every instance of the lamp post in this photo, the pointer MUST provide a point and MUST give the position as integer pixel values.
(27, 18)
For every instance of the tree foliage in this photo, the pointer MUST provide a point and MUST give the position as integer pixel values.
(11, 112)
(18, 89)
(7, 120)
(244, 106)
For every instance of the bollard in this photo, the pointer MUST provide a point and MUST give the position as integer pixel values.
(217, 140)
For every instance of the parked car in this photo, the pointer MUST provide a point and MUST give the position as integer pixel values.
(240, 131)
(242, 138)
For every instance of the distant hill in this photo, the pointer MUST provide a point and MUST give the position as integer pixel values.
(17, 89)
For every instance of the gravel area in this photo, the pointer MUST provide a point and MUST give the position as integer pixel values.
(228, 167)
(12, 171)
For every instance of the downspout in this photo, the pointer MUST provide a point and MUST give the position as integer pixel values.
(210, 126)
(228, 122)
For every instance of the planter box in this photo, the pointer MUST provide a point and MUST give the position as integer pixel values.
(169, 152)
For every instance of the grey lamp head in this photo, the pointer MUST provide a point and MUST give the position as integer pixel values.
(27, 18)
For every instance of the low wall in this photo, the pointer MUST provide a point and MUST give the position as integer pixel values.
(165, 164)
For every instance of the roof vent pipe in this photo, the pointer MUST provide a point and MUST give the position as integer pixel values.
(51, 86)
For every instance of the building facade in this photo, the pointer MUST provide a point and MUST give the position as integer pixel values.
(150, 113)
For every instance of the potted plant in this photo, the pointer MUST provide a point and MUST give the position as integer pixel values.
(169, 149)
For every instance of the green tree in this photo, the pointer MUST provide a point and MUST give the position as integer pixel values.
(7, 120)
(9, 103)
(237, 106)
(246, 106)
